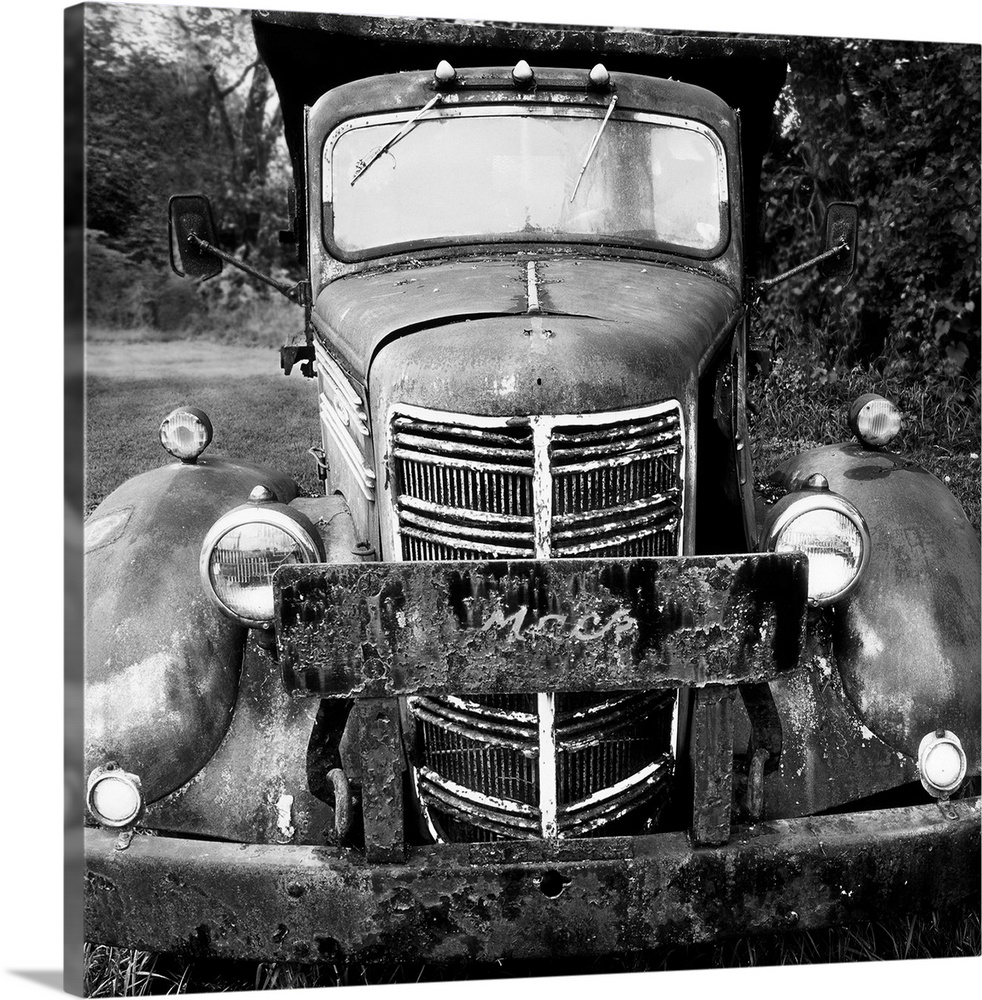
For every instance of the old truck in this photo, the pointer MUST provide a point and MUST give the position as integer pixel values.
(545, 671)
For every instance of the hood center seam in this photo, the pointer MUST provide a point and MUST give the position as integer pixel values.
(532, 288)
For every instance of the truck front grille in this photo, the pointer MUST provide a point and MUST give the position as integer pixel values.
(593, 485)
(616, 488)
(465, 487)
(465, 493)
(477, 769)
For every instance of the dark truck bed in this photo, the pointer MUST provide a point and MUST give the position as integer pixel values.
(309, 54)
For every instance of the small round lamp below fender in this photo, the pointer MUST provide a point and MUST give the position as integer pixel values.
(114, 796)
(941, 763)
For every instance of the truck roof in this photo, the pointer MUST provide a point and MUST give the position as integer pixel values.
(309, 53)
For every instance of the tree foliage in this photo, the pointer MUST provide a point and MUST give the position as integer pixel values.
(176, 101)
(894, 126)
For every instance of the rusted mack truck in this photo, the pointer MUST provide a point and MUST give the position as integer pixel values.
(545, 671)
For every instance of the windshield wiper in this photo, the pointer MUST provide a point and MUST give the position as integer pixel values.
(362, 165)
(593, 145)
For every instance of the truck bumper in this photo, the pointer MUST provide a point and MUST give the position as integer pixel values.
(526, 899)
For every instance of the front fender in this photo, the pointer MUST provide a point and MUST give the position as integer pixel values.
(161, 663)
(907, 641)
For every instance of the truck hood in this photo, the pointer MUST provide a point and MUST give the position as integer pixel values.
(604, 330)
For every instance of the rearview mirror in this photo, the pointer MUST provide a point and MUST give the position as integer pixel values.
(841, 228)
(190, 215)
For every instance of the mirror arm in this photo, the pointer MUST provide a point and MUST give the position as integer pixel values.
(293, 292)
(834, 252)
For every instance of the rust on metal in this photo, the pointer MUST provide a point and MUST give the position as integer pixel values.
(377, 630)
(382, 765)
(755, 785)
(909, 639)
(480, 902)
(261, 762)
(711, 756)
(338, 781)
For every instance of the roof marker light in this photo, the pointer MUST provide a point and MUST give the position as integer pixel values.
(445, 73)
(599, 77)
(522, 74)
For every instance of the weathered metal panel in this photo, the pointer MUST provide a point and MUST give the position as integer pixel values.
(821, 754)
(382, 767)
(908, 640)
(255, 788)
(647, 327)
(377, 630)
(711, 755)
(161, 664)
(526, 900)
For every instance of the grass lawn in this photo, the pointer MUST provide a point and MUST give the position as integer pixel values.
(257, 412)
(261, 415)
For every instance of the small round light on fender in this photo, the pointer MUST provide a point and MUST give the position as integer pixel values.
(114, 796)
(874, 420)
(262, 494)
(829, 530)
(185, 433)
(941, 763)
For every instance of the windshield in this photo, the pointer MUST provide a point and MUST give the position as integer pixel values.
(523, 173)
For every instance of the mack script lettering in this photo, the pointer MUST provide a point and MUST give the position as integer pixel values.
(585, 628)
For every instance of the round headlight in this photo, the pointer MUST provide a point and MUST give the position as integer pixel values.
(830, 531)
(874, 420)
(185, 433)
(243, 550)
(941, 763)
(114, 796)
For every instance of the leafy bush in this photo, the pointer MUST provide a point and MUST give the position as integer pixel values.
(803, 403)
(239, 310)
(124, 293)
(896, 127)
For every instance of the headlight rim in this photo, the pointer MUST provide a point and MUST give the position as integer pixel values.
(792, 506)
(279, 515)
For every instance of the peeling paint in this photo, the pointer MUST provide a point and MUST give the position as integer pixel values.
(477, 627)
(284, 818)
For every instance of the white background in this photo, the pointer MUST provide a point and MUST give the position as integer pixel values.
(31, 485)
